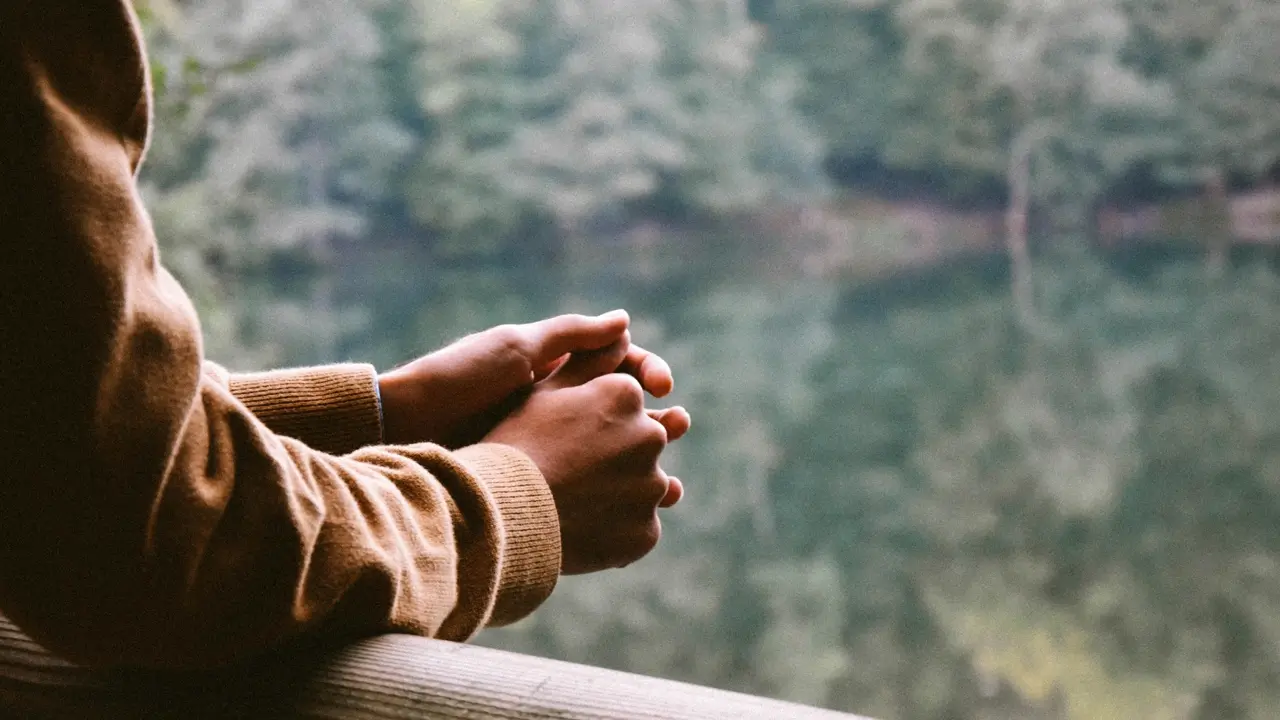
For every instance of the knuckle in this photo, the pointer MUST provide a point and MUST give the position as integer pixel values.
(653, 437)
(655, 488)
(650, 535)
(655, 431)
(508, 337)
(624, 389)
(641, 541)
(511, 342)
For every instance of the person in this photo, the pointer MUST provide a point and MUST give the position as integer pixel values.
(157, 511)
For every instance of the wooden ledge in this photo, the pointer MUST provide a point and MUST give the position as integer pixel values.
(393, 676)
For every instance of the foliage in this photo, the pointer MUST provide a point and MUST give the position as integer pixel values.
(850, 52)
(905, 510)
(271, 141)
(900, 504)
(575, 110)
(1236, 91)
(1218, 62)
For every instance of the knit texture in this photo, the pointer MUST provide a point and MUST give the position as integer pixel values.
(155, 510)
(334, 408)
(509, 473)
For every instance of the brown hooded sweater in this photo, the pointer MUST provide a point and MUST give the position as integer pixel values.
(154, 510)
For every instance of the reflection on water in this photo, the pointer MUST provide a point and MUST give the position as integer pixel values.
(898, 504)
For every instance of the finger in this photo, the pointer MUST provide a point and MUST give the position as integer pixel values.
(641, 539)
(651, 370)
(675, 492)
(649, 538)
(583, 367)
(472, 429)
(675, 420)
(558, 336)
(541, 373)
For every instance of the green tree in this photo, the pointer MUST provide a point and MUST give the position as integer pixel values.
(1235, 94)
(1219, 62)
(1025, 88)
(850, 55)
(468, 74)
(273, 138)
(572, 110)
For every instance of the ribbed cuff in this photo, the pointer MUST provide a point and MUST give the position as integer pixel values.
(333, 408)
(531, 528)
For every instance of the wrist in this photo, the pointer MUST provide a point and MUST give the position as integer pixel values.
(382, 416)
(394, 403)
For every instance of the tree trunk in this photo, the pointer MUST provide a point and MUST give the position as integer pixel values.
(1016, 227)
(1219, 225)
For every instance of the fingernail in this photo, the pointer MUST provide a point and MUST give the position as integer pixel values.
(614, 314)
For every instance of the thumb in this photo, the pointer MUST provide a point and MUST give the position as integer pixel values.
(556, 337)
(675, 491)
(581, 368)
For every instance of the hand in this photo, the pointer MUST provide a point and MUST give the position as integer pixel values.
(454, 396)
(587, 429)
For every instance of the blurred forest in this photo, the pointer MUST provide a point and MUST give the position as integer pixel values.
(961, 451)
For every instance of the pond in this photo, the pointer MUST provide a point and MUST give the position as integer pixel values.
(899, 503)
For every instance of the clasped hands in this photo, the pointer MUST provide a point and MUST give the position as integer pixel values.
(570, 393)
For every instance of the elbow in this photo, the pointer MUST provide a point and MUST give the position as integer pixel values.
(76, 628)
(92, 638)
(108, 617)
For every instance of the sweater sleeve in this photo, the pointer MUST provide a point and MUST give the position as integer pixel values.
(334, 408)
(148, 518)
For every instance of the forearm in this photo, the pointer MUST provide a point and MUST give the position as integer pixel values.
(147, 516)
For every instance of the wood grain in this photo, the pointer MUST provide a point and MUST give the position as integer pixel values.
(392, 676)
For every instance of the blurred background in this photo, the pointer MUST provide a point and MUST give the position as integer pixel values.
(974, 302)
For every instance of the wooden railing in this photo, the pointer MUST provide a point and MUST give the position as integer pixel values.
(393, 676)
